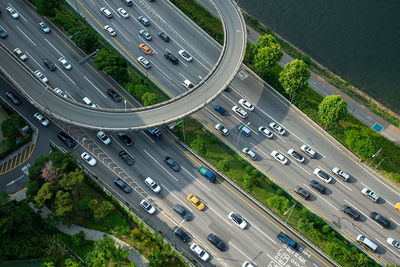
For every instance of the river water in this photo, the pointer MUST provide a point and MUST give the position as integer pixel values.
(357, 39)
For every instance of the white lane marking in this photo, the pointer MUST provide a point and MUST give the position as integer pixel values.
(229, 99)
(148, 136)
(299, 165)
(162, 72)
(253, 225)
(17, 11)
(196, 179)
(386, 246)
(26, 36)
(259, 150)
(179, 199)
(222, 218)
(213, 114)
(53, 46)
(160, 165)
(67, 76)
(68, 94)
(92, 2)
(94, 86)
(119, 31)
(40, 66)
(352, 205)
(13, 181)
(239, 250)
(393, 220)
(338, 180)
(322, 198)
(178, 59)
(110, 7)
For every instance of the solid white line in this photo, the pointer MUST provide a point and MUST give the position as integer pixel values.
(105, 2)
(222, 218)
(211, 113)
(40, 66)
(338, 180)
(13, 181)
(160, 165)
(148, 136)
(119, 31)
(162, 72)
(253, 225)
(26, 36)
(352, 205)
(393, 220)
(259, 150)
(387, 247)
(196, 179)
(322, 198)
(299, 165)
(67, 76)
(230, 99)
(240, 250)
(53, 47)
(179, 199)
(95, 86)
(17, 12)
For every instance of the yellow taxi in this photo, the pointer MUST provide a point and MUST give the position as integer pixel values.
(195, 202)
(397, 206)
(145, 49)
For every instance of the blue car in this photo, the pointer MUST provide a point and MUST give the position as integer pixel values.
(219, 109)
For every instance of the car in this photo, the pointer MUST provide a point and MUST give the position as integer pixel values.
(238, 220)
(195, 202)
(317, 186)
(41, 76)
(277, 127)
(126, 157)
(146, 35)
(153, 185)
(181, 234)
(88, 159)
(279, 157)
(103, 137)
(171, 163)
(247, 264)
(246, 104)
(146, 205)
(351, 212)
(185, 55)
(397, 206)
(244, 130)
(188, 84)
(114, 95)
(3, 33)
(216, 241)
(49, 64)
(68, 141)
(89, 102)
(12, 12)
(239, 112)
(106, 12)
(382, 221)
(145, 21)
(222, 129)
(145, 49)
(393, 242)
(124, 186)
(370, 194)
(64, 63)
(144, 62)
(60, 92)
(219, 109)
(248, 152)
(171, 57)
(182, 212)
(199, 251)
(110, 30)
(42, 119)
(309, 151)
(155, 132)
(302, 192)
(296, 155)
(18, 52)
(44, 27)
(164, 36)
(123, 13)
(125, 138)
(341, 174)
(264, 130)
(323, 175)
(13, 98)
(128, 2)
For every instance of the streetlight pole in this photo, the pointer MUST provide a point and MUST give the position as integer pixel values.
(374, 156)
(291, 210)
(291, 97)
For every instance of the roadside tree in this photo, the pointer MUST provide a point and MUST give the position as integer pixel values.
(87, 40)
(332, 109)
(294, 77)
(360, 142)
(63, 204)
(265, 53)
(46, 7)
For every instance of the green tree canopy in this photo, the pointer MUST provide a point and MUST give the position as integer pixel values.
(10, 126)
(360, 142)
(332, 109)
(46, 7)
(45, 193)
(105, 252)
(63, 204)
(149, 99)
(72, 180)
(265, 52)
(87, 39)
(199, 145)
(295, 76)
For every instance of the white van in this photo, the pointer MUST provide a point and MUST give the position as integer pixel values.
(144, 62)
(367, 242)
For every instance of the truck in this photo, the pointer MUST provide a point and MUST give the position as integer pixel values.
(370, 194)
(155, 132)
(288, 241)
(208, 174)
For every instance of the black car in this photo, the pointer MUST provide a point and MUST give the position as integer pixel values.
(302, 192)
(49, 64)
(351, 212)
(125, 156)
(182, 234)
(319, 187)
(182, 212)
(164, 36)
(171, 163)
(68, 141)
(124, 186)
(385, 223)
(126, 139)
(13, 98)
(216, 241)
(171, 58)
(114, 95)
(3, 33)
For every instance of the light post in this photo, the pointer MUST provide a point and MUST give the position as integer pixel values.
(78, 32)
(290, 209)
(291, 97)
(374, 156)
(237, 142)
(379, 163)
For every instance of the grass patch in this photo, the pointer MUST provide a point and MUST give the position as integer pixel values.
(82, 250)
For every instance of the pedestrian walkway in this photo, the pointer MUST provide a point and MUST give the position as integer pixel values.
(18, 158)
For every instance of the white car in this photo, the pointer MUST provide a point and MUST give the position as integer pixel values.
(247, 264)
(41, 76)
(238, 220)
(185, 55)
(188, 84)
(44, 27)
(296, 155)
(323, 175)
(65, 63)
(153, 185)
(144, 62)
(279, 157)
(60, 92)
(393, 242)
(12, 12)
(103, 137)
(370, 194)
(309, 151)
(110, 30)
(246, 104)
(222, 129)
(123, 13)
(249, 153)
(42, 119)
(88, 159)
(89, 102)
(277, 128)
(18, 52)
(147, 206)
(199, 251)
(264, 130)
(240, 112)
(106, 12)
(146, 35)
(341, 174)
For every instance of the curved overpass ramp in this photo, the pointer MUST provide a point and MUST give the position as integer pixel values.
(134, 119)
